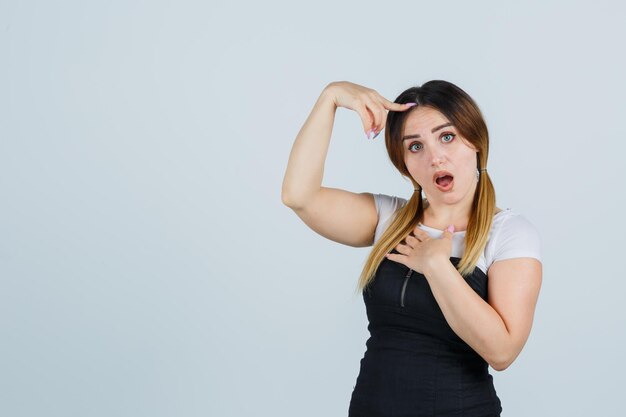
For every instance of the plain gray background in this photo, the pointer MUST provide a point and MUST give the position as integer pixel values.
(147, 264)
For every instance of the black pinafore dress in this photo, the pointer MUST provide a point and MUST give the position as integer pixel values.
(414, 364)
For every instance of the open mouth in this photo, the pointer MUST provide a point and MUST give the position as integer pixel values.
(444, 181)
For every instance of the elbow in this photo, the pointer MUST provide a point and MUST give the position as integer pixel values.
(295, 206)
(295, 202)
(285, 200)
(288, 198)
(502, 358)
(285, 194)
(500, 364)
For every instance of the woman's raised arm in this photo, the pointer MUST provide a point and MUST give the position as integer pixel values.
(342, 216)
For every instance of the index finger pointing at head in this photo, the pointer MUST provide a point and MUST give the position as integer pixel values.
(390, 105)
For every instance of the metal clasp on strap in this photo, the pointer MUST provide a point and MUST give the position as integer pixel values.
(406, 281)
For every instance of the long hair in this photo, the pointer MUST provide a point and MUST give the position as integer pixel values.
(463, 112)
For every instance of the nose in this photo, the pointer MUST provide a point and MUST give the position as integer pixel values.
(436, 156)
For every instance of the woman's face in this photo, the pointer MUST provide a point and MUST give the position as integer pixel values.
(439, 147)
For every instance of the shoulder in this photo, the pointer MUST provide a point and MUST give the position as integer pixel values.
(386, 206)
(513, 235)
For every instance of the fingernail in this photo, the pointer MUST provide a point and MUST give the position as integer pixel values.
(410, 104)
(369, 133)
(451, 228)
(376, 135)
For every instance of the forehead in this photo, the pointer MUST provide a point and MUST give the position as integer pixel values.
(422, 119)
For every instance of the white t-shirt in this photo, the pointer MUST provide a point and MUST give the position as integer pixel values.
(511, 234)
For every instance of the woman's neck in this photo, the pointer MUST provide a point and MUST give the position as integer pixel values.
(445, 216)
(458, 216)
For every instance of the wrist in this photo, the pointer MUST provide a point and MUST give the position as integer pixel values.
(328, 94)
(434, 265)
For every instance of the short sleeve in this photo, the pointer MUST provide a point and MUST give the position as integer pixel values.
(517, 238)
(386, 206)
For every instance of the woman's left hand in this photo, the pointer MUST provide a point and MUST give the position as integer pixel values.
(420, 253)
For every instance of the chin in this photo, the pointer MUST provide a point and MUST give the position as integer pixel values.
(449, 197)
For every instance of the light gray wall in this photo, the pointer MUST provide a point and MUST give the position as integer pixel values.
(147, 264)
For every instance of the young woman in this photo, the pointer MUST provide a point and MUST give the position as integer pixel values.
(451, 283)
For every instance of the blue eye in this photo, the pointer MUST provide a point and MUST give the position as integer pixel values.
(452, 135)
(414, 143)
(449, 134)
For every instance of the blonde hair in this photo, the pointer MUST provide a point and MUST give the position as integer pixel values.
(463, 112)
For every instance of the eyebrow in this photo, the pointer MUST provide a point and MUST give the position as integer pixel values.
(432, 131)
